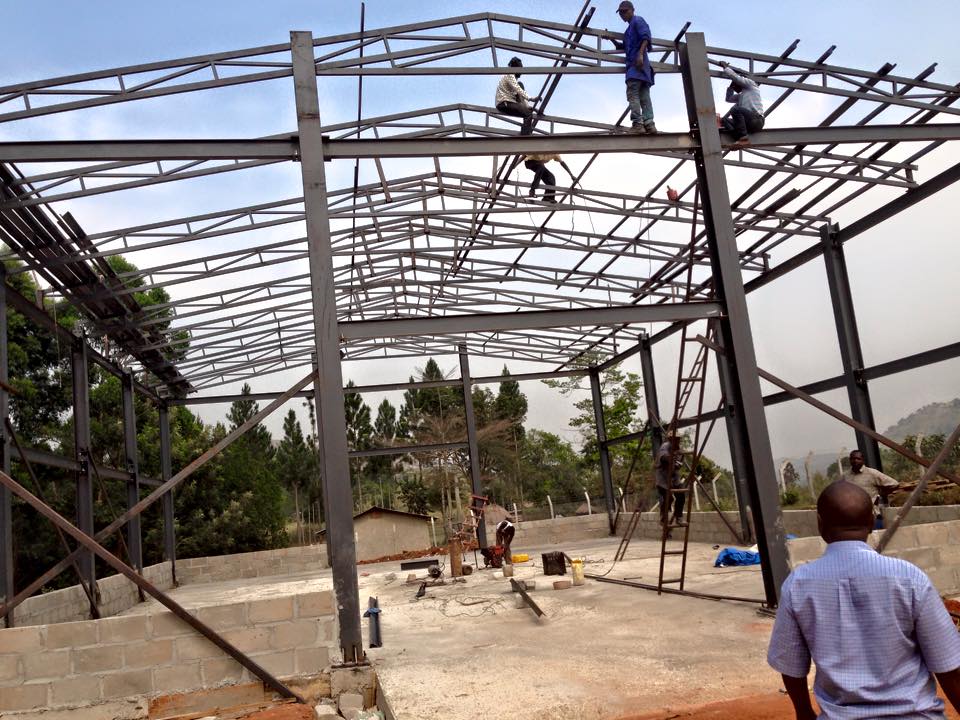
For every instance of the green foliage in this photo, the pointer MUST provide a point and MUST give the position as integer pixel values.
(790, 496)
(414, 494)
(621, 394)
(550, 466)
(295, 462)
(251, 496)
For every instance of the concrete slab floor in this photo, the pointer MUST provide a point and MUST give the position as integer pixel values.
(236, 591)
(602, 651)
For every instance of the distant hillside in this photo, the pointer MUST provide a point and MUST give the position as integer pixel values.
(932, 419)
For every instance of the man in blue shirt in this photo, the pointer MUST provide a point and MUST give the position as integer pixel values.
(875, 626)
(636, 44)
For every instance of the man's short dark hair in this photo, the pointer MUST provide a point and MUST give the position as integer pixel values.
(515, 62)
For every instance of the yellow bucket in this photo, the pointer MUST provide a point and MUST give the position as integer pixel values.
(520, 557)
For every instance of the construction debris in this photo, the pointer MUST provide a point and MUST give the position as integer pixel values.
(526, 598)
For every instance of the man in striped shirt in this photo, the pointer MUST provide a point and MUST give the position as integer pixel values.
(512, 99)
(875, 626)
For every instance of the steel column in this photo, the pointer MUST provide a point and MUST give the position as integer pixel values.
(81, 433)
(6, 506)
(735, 323)
(738, 461)
(605, 473)
(134, 536)
(476, 483)
(166, 472)
(851, 354)
(650, 394)
(331, 423)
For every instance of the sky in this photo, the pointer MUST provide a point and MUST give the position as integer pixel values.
(903, 273)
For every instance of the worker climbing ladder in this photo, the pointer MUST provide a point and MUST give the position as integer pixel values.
(691, 382)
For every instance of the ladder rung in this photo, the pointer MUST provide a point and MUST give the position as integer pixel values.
(671, 580)
(677, 525)
(691, 379)
(673, 552)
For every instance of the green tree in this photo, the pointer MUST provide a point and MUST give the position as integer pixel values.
(294, 460)
(551, 467)
(414, 494)
(359, 437)
(511, 403)
(621, 392)
(248, 479)
(381, 468)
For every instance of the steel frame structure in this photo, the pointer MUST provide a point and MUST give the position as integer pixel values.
(449, 259)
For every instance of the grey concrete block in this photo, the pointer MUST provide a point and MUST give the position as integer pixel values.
(350, 700)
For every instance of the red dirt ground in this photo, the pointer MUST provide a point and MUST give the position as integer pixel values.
(769, 706)
(284, 712)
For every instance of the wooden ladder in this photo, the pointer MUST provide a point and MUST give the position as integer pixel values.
(467, 530)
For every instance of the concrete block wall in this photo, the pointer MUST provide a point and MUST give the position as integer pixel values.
(705, 526)
(82, 663)
(70, 604)
(285, 561)
(921, 514)
(933, 547)
(557, 531)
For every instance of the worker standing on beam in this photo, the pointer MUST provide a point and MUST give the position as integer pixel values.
(875, 626)
(512, 98)
(746, 115)
(639, 77)
(875, 484)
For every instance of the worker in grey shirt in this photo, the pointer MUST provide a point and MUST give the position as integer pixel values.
(875, 484)
(746, 116)
(875, 626)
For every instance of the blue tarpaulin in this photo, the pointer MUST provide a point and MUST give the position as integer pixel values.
(731, 556)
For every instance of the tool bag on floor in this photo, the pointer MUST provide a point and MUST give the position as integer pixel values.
(553, 563)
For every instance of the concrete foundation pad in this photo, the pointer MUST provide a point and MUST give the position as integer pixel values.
(601, 651)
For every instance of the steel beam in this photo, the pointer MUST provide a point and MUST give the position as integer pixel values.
(409, 449)
(81, 433)
(735, 323)
(605, 470)
(380, 388)
(331, 422)
(134, 535)
(836, 414)
(565, 143)
(851, 354)
(495, 322)
(166, 472)
(476, 482)
(650, 397)
(6, 506)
